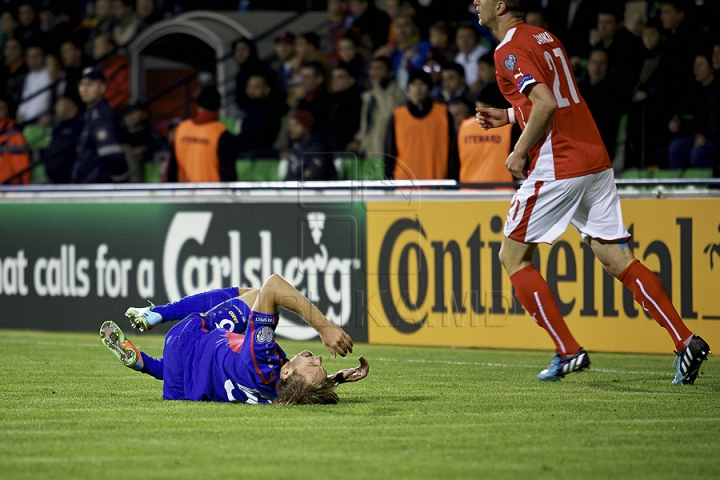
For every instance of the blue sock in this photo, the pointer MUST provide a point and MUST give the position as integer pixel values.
(152, 366)
(198, 303)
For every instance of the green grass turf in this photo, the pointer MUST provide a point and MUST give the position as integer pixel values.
(68, 409)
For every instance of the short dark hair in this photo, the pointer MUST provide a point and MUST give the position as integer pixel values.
(678, 5)
(455, 67)
(517, 6)
(317, 67)
(295, 390)
(312, 38)
(383, 59)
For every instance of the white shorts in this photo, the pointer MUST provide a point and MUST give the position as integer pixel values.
(541, 211)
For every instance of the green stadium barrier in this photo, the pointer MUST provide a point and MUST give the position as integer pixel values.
(243, 169)
(152, 172)
(359, 169)
(266, 170)
(698, 173)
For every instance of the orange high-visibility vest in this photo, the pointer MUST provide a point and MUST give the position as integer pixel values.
(483, 153)
(196, 150)
(422, 144)
(14, 154)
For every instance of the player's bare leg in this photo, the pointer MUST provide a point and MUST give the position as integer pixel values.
(535, 295)
(648, 291)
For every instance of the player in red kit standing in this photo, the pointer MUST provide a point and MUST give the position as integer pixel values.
(569, 181)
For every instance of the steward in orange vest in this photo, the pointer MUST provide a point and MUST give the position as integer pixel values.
(483, 153)
(420, 143)
(14, 155)
(204, 150)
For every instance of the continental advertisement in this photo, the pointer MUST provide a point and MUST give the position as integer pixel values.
(434, 277)
(72, 266)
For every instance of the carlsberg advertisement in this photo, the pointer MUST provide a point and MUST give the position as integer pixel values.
(72, 266)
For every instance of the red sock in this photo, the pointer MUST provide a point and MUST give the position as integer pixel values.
(648, 291)
(535, 295)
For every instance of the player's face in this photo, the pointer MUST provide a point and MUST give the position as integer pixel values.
(309, 366)
(486, 11)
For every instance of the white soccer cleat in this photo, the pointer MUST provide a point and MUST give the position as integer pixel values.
(143, 318)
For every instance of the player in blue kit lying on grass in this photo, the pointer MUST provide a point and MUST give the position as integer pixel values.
(229, 353)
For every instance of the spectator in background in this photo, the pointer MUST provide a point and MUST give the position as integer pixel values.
(571, 21)
(28, 30)
(283, 65)
(485, 72)
(309, 157)
(204, 150)
(460, 109)
(316, 98)
(148, 13)
(453, 84)
(681, 43)
(115, 69)
(261, 124)
(14, 72)
(481, 153)
(378, 103)
(600, 94)
(716, 55)
(142, 142)
(351, 60)
(59, 156)
(245, 53)
(127, 23)
(469, 52)
(8, 25)
(420, 139)
(439, 38)
(337, 10)
(36, 100)
(372, 24)
(623, 51)
(698, 150)
(307, 49)
(71, 56)
(536, 18)
(14, 155)
(344, 113)
(104, 23)
(409, 51)
(100, 155)
(647, 115)
(433, 66)
(54, 25)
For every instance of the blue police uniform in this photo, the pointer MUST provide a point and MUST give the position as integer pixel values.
(100, 155)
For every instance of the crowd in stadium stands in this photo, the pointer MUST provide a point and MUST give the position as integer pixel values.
(390, 88)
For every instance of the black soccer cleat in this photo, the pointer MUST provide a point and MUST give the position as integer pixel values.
(689, 360)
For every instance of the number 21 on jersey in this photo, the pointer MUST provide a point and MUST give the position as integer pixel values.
(561, 101)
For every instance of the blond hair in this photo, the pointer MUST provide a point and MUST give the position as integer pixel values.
(295, 390)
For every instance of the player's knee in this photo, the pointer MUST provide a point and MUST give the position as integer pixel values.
(272, 282)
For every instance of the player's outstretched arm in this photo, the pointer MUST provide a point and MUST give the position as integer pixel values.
(352, 374)
(277, 292)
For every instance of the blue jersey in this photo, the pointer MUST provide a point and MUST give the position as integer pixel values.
(204, 361)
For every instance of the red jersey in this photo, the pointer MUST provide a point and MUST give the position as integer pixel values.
(572, 147)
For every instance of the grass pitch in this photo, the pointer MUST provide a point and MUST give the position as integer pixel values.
(68, 409)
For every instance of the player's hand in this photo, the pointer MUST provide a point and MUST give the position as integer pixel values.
(353, 374)
(515, 164)
(489, 118)
(336, 340)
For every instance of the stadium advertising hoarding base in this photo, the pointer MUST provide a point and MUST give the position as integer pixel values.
(72, 266)
(434, 277)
